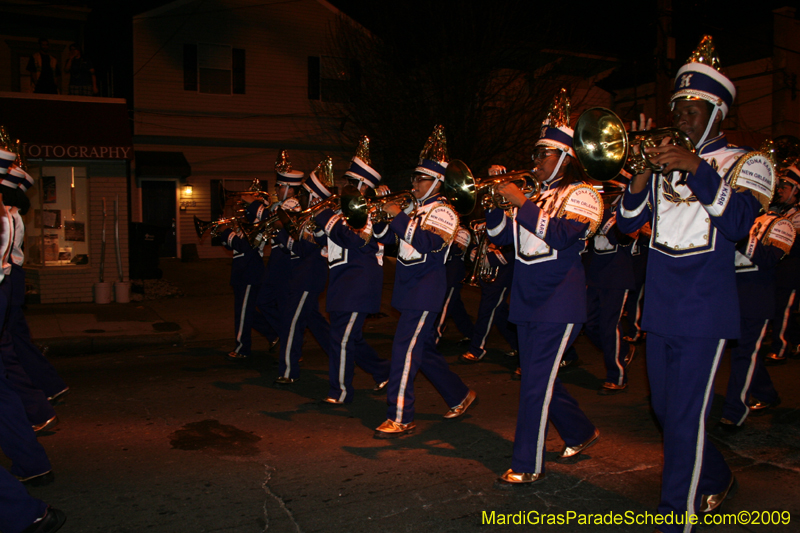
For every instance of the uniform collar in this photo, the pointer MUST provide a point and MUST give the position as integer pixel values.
(712, 145)
(433, 198)
(552, 184)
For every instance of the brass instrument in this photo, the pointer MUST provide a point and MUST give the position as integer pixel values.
(481, 271)
(304, 220)
(357, 209)
(215, 227)
(459, 172)
(604, 148)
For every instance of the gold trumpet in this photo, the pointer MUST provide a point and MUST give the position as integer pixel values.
(215, 227)
(459, 172)
(481, 271)
(304, 220)
(357, 209)
(604, 148)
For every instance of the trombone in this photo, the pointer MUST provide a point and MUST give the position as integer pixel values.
(604, 148)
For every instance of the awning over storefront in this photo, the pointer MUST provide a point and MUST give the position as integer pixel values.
(162, 165)
(68, 127)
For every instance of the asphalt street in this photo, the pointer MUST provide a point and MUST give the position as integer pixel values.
(179, 440)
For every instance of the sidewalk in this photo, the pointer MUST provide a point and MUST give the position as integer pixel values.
(204, 312)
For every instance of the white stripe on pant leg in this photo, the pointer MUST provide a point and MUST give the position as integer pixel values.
(443, 319)
(343, 355)
(286, 356)
(491, 319)
(701, 436)
(401, 394)
(540, 438)
(638, 321)
(787, 313)
(620, 380)
(241, 319)
(750, 371)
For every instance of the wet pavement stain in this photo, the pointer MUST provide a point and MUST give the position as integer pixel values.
(218, 439)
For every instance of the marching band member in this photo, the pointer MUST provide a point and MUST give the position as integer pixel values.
(274, 287)
(30, 463)
(426, 233)
(771, 237)
(308, 275)
(35, 364)
(493, 307)
(355, 261)
(609, 280)
(699, 206)
(453, 304)
(247, 274)
(785, 334)
(548, 291)
(25, 371)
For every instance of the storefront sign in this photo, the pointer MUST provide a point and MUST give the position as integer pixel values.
(73, 151)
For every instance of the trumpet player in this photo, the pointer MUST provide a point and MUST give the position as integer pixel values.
(308, 275)
(548, 292)
(247, 273)
(272, 291)
(425, 234)
(699, 205)
(355, 261)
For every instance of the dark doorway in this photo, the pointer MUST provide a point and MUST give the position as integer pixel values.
(158, 209)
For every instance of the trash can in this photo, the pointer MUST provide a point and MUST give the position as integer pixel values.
(145, 242)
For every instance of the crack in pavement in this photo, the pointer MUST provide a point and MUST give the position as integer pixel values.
(268, 473)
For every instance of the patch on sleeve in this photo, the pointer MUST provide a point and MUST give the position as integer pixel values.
(754, 172)
(781, 234)
(443, 221)
(721, 200)
(331, 223)
(291, 204)
(583, 203)
(463, 237)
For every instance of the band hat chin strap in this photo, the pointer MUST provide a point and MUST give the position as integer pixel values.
(430, 189)
(708, 126)
(558, 166)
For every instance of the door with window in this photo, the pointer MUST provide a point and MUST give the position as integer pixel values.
(158, 209)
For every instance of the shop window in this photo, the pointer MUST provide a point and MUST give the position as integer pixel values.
(57, 224)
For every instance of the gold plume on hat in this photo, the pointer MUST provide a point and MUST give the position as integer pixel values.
(362, 152)
(324, 171)
(770, 150)
(705, 53)
(255, 186)
(21, 160)
(5, 139)
(282, 164)
(436, 146)
(558, 114)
